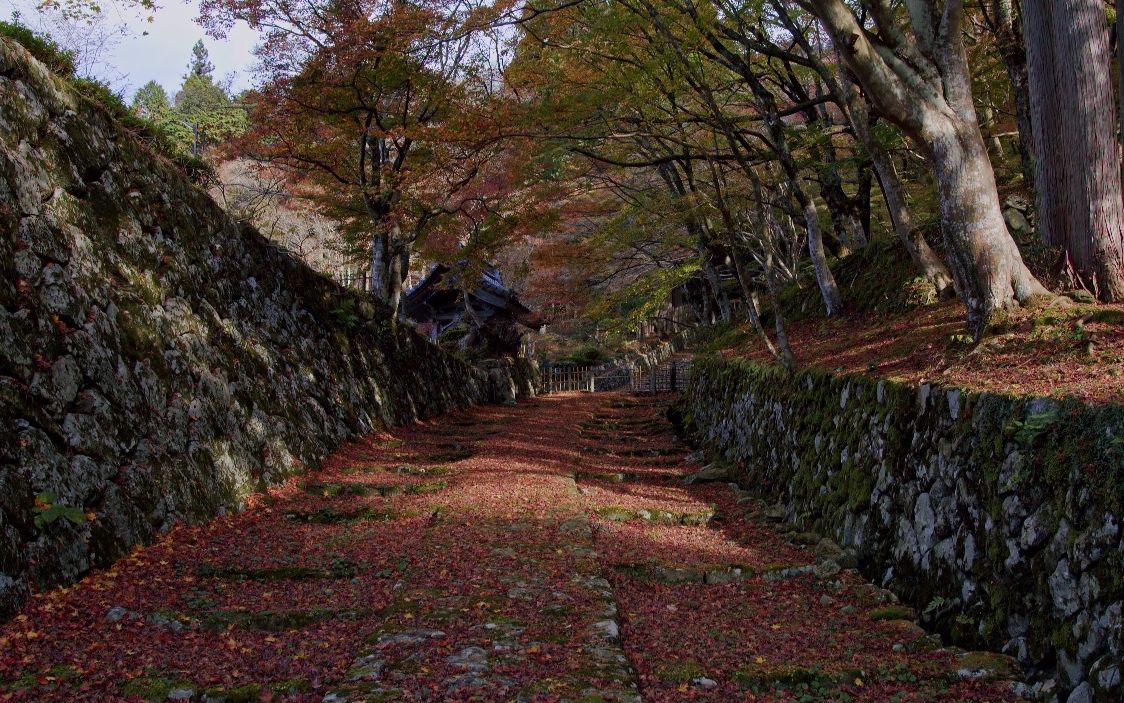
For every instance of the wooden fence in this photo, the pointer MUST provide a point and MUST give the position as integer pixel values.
(560, 379)
(669, 377)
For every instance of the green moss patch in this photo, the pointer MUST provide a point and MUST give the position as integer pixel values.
(617, 513)
(44, 678)
(252, 693)
(156, 687)
(340, 568)
(679, 672)
(785, 677)
(332, 490)
(989, 666)
(410, 470)
(673, 575)
(367, 489)
(328, 516)
(893, 612)
(276, 621)
(153, 686)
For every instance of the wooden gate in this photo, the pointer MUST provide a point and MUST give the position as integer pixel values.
(562, 379)
(668, 377)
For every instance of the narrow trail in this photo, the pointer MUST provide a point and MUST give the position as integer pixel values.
(545, 552)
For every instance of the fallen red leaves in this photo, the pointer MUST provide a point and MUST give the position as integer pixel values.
(453, 561)
(1036, 352)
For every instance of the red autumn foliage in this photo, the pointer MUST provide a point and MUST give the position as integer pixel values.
(470, 526)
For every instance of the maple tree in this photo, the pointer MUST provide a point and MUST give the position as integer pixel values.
(388, 116)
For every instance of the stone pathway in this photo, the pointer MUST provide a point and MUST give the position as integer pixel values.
(546, 552)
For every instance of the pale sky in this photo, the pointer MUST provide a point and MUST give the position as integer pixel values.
(163, 54)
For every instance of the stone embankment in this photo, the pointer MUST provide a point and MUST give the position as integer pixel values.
(997, 518)
(158, 360)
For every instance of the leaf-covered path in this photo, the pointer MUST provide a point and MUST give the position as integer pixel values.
(545, 552)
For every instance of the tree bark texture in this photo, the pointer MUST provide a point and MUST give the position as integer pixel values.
(1080, 209)
(379, 256)
(1008, 31)
(921, 83)
(931, 266)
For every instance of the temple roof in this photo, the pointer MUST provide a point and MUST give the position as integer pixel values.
(438, 298)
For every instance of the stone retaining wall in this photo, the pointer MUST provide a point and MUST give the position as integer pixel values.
(998, 518)
(158, 361)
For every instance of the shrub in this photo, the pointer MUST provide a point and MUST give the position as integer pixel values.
(197, 169)
(43, 48)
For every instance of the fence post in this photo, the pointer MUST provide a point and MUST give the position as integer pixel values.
(673, 379)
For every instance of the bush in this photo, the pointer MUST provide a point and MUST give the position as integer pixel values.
(42, 48)
(586, 356)
(61, 62)
(197, 169)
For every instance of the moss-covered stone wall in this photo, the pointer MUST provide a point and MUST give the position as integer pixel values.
(158, 361)
(997, 517)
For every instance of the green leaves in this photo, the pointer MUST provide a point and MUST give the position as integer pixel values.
(202, 114)
(41, 47)
(1034, 425)
(47, 511)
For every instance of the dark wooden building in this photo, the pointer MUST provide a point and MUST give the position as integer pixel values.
(490, 317)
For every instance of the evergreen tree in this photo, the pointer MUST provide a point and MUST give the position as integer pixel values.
(151, 102)
(205, 114)
(202, 114)
(200, 64)
(1074, 113)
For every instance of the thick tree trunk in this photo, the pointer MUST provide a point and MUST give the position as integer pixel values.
(379, 258)
(985, 262)
(1120, 74)
(838, 205)
(922, 84)
(931, 266)
(1080, 209)
(1015, 63)
(923, 256)
(396, 272)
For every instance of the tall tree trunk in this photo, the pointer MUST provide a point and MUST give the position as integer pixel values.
(1008, 31)
(829, 290)
(911, 237)
(985, 262)
(922, 84)
(1080, 208)
(379, 260)
(862, 197)
(396, 272)
(1120, 73)
(838, 204)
